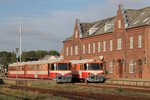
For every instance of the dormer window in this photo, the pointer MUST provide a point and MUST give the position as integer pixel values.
(92, 30)
(136, 22)
(142, 13)
(146, 19)
(107, 26)
(119, 23)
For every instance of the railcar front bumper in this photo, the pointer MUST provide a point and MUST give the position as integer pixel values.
(95, 78)
(63, 79)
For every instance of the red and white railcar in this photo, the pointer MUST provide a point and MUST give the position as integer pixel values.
(45, 69)
(61, 71)
(38, 69)
(88, 70)
(16, 70)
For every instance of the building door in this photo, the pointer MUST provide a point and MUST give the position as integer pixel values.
(120, 69)
(139, 68)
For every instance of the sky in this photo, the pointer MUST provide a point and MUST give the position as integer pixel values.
(46, 23)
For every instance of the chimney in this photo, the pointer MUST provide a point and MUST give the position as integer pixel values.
(77, 20)
(120, 7)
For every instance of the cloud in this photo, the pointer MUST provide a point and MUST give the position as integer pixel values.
(48, 30)
(135, 4)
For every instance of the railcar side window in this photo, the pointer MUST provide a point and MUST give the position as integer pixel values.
(69, 66)
(81, 67)
(75, 67)
(52, 67)
(85, 66)
(38, 67)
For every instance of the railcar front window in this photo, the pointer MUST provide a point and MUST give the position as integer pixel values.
(62, 66)
(95, 66)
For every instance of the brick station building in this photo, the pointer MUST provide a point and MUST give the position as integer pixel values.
(122, 41)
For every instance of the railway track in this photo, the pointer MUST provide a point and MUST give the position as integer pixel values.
(125, 87)
(16, 96)
(74, 95)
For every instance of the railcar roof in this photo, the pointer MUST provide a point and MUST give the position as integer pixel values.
(33, 62)
(81, 61)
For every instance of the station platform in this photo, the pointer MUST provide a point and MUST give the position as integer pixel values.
(127, 81)
(24, 81)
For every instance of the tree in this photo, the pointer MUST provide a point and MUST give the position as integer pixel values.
(13, 57)
(29, 56)
(41, 53)
(54, 52)
(5, 58)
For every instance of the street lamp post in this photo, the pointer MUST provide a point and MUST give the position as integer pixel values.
(20, 42)
(17, 49)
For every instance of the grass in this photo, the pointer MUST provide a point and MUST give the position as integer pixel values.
(71, 87)
(27, 94)
(4, 97)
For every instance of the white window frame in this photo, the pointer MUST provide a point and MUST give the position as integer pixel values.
(119, 43)
(89, 48)
(111, 67)
(111, 45)
(93, 47)
(76, 50)
(83, 48)
(71, 51)
(131, 42)
(139, 41)
(104, 46)
(119, 24)
(67, 51)
(99, 46)
(131, 66)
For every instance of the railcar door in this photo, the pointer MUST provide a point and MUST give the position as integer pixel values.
(25, 70)
(49, 70)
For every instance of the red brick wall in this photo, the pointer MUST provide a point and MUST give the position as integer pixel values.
(125, 53)
(146, 69)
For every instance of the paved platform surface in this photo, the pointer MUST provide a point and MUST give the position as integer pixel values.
(24, 81)
(127, 81)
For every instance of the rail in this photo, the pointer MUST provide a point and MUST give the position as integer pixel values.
(16, 96)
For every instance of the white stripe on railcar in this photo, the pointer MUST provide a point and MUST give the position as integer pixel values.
(38, 72)
(16, 72)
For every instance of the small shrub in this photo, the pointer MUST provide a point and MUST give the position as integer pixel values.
(119, 90)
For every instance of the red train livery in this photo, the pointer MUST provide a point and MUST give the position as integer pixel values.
(88, 70)
(48, 69)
